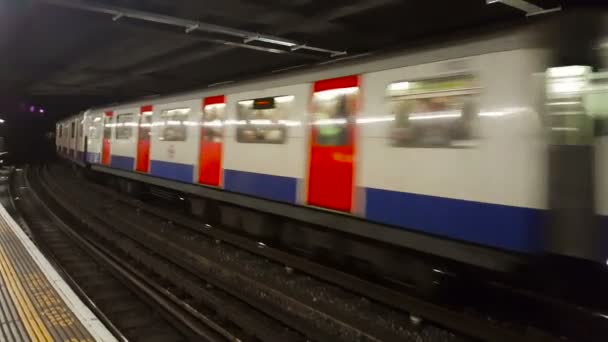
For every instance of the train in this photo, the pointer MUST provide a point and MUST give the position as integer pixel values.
(484, 150)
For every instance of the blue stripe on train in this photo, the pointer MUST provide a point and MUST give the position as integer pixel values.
(122, 162)
(175, 171)
(507, 227)
(93, 157)
(276, 188)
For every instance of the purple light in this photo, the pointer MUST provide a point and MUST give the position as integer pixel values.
(41, 111)
(32, 109)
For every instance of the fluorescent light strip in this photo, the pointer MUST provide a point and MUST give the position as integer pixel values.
(323, 122)
(215, 105)
(435, 115)
(331, 93)
(399, 86)
(283, 99)
(375, 120)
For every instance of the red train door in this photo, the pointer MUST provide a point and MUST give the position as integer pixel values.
(212, 135)
(332, 143)
(107, 135)
(143, 139)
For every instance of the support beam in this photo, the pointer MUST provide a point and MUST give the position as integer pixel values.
(526, 6)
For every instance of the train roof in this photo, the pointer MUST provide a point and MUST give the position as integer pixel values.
(460, 47)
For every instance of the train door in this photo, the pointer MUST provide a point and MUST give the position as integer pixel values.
(212, 136)
(143, 139)
(66, 139)
(332, 143)
(107, 136)
(81, 142)
(73, 139)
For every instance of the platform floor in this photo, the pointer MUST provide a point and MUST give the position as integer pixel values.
(35, 303)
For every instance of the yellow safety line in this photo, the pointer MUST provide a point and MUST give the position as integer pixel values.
(29, 316)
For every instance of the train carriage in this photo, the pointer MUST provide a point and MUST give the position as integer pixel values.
(470, 159)
(174, 140)
(264, 144)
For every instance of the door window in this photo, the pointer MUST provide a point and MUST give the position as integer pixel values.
(333, 111)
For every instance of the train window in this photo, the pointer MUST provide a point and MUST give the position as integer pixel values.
(94, 128)
(80, 129)
(124, 126)
(107, 127)
(433, 113)
(263, 120)
(213, 116)
(60, 131)
(145, 125)
(595, 103)
(73, 129)
(174, 122)
(333, 111)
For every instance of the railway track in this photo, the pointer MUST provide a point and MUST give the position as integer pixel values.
(313, 302)
(123, 298)
(232, 318)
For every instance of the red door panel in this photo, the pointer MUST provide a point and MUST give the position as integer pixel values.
(143, 139)
(330, 178)
(107, 135)
(332, 143)
(143, 156)
(210, 157)
(210, 163)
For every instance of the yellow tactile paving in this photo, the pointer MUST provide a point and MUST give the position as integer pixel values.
(30, 318)
(36, 304)
(39, 310)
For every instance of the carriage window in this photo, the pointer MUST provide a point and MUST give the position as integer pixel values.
(94, 128)
(333, 111)
(80, 129)
(174, 123)
(263, 120)
(433, 113)
(60, 131)
(124, 126)
(213, 116)
(72, 129)
(595, 102)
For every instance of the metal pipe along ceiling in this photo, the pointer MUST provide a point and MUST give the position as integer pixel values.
(189, 26)
(526, 6)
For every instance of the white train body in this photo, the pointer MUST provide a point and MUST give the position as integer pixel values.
(482, 181)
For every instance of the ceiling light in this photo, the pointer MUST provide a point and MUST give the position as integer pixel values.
(332, 93)
(275, 41)
(399, 86)
(283, 99)
(568, 71)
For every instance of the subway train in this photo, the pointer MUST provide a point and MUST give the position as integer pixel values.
(487, 151)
